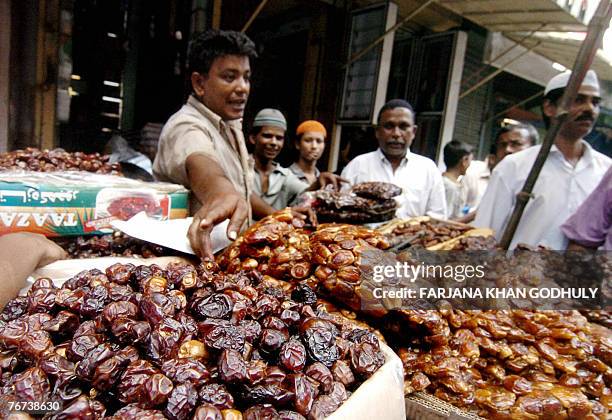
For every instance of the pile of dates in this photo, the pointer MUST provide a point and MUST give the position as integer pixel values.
(475, 243)
(511, 364)
(116, 244)
(425, 233)
(180, 343)
(367, 202)
(32, 159)
(328, 258)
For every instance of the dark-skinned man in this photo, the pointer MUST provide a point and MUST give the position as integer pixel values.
(571, 171)
(417, 176)
(202, 145)
(310, 144)
(277, 186)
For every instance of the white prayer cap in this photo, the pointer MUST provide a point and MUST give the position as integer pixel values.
(561, 80)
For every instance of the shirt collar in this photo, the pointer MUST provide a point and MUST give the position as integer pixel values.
(586, 158)
(277, 168)
(295, 168)
(383, 158)
(215, 119)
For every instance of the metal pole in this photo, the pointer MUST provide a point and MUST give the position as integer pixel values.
(380, 39)
(496, 72)
(584, 59)
(254, 15)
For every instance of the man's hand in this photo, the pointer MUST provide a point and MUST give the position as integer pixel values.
(305, 213)
(217, 208)
(42, 250)
(219, 199)
(327, 178)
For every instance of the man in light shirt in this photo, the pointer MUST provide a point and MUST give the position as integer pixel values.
(571, 171)
(509, 139)
(417, 176)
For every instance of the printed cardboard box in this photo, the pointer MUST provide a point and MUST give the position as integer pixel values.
(82, 203)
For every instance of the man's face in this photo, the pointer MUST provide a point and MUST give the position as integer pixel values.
(311, 146)
(225, 89)
(582, 113)
(511, 142)
(395, 132)
(465, 163)
(268, 142)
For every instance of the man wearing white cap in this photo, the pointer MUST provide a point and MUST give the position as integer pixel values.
(276, 185)
(571, 171)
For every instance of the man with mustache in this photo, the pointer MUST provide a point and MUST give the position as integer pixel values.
(417, 176)
(571, 171)
(202, 146)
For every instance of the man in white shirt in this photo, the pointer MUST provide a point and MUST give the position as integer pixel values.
(571, 171)
(417, 176)
(510, 139)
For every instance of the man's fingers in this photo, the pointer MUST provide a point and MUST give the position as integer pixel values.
(237, 219)
(215, 216)
(343, 180)
(312, 216)
(205, 243)
(192, 235)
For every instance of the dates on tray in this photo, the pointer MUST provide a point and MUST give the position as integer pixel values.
(182, 343)
(511, 364)
(32, 159)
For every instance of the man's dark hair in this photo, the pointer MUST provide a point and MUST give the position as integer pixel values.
(455, 151)
(553, 97)
(533, 135)
(215, 43)
(395, 103)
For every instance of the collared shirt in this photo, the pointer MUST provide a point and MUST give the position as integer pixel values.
(559, 191)
(283, 187)
(417, 176)
(591, 225)
(297, 171)
(196, 129)
(456, 195)
(476, 180)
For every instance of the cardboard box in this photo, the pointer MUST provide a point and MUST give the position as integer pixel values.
(82, 203)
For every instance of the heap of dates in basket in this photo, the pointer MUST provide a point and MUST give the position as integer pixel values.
(181, 343)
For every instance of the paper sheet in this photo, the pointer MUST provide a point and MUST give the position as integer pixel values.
(169, 233)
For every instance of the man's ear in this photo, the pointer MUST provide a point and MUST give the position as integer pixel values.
(197, 83)
(252, 139)
(549, 108)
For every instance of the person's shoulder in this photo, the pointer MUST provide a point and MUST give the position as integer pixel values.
(361, 160)
(601, 159)
(364, 157)
(516, 161)
(425, 162)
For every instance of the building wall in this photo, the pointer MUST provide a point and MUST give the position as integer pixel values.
(473, 108)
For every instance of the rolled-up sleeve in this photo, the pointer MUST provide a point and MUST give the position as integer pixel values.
(174, 150)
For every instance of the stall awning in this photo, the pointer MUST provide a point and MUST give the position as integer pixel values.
(516, 15)
(543, 26)
(563, 49)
